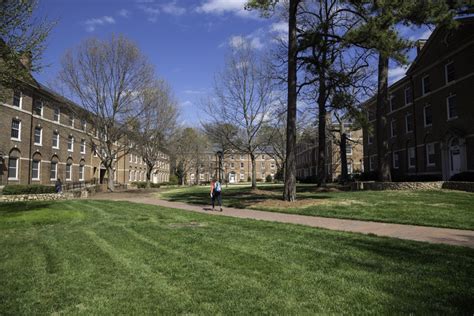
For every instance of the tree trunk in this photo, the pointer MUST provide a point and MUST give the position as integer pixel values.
(110, 182)
(149, 170)
(254, 171)
(290, 164)
(322, 177)
(342, 149)
(383, 163)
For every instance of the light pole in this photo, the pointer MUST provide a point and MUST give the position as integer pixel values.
(220, 155)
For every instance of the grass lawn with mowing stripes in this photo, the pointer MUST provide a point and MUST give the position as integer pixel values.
(103, 257)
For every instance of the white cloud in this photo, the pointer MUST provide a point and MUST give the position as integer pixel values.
(396, 73)
(279, 30)
(254, 40)
(124, 13)
(186, 103)
(236, 7)
(173, 9)
(91, 24)
(190, 91)
(426, 34)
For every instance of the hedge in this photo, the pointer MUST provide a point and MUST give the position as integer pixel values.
(467, 176)
(142, 185)
(14, 189)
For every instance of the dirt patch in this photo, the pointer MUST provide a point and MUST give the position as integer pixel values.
(187, 225)
(264, 192)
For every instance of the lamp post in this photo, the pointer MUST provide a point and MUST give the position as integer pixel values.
(220, 155)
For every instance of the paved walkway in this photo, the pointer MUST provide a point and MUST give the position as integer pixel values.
(411, 232)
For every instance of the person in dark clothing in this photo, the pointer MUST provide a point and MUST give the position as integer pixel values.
(216, 189)
(58, 186)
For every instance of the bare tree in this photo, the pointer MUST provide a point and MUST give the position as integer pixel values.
(22, 41)
(108, 78)
(156, 125)
(243, 98)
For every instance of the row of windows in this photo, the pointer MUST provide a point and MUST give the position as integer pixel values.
(38, 110)
(38, 137)
(430, 158)
(272, 165)
(135, 175)
(14, 165)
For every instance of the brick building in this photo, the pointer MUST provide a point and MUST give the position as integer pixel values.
(307, 154)
(430, 115)
(236, 167)
(43, 139)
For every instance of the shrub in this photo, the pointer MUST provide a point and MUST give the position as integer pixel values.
(467, 176)
(367, 176)
(249, 179)
(173, 180)
(268, 178)
(13, 189)
(142, 185)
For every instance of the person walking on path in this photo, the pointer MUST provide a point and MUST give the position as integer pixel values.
(216, 189)
(58, 186)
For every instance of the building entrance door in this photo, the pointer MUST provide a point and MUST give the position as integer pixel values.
(454, 157)
(231, 177)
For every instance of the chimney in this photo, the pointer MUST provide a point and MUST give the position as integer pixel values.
(419, 45)
(25, 59)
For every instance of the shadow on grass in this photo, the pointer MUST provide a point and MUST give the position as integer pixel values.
(24, 206)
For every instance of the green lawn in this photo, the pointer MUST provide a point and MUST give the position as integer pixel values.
(101, 257)
(441, 208)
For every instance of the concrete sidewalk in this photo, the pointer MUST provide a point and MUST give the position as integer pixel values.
(447, 236)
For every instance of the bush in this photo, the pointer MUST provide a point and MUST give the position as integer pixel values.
(367, 176)
(173, 180)
(249, 179)
(14, 189)
(467, 176)
(268, 178)
(142, 185)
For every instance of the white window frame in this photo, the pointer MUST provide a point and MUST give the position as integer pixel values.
(390, 102)
(42, 107)
(70, 120)
(39, 170)
(59, 114)
(411, 99)
(430, 145)
(81, 172)
(17, 167)
(19, 130)
(83, 125)
(424, 116)
(83, 146)
(349, 153)
(55, 170)
(406, 123)
(70, 141)
(349, 170)
(232, 166)
(410, 151)
(55, 134)
(370, 140)
(40, 136)
(371, 164)
(393, 128)
(20, 102)
(423, 92)
(447, 108)
(242, 176)
(70, 172)
(446, 73)
(396, 154)
(130, 176)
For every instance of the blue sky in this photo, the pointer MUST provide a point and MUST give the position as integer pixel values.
(186, 40)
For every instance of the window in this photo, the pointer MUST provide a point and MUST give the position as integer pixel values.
(83, 146)
(396, 160)
(129, 176)
(450, 74)
(370, 139)
(38, 108)
(35, 170)
(231, 157)
(409, 122)
(136, 159)
(38, 135)
(241, 157)
(411, 157)
(56, 114)
(53, 174)
(428, 116)
(372, 163)
(71, 120)
(242, 176)
(68, 171)
(130, 158)
(241, 165)
(81, 173)
(263, 157)
(16, 129)
(408, 96)
(348, 149)
(349, 167)
(451, 105)
(371, 115)
(55, 140)
(83, 125)
(13, 168)
(425, 85)
(393, 128)
(232, 165)
(430, 155)
(70, 143)
(17, 98)
(391, 102)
